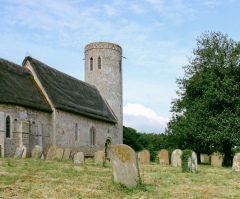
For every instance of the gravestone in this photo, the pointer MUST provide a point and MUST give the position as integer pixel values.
(192, 162)
(204, 158)
(163, 157)
(139, 155)
(24, 154)
(66, 154)
(37, 152)
(59, 154)
(79, 158)
(145, 157)
(99, 158)
(236, 162)
(125, 165)
(216, 159)
(51, 152)
(176, 158)
(18, 153)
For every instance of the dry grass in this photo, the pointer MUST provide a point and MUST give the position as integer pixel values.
(30, 178)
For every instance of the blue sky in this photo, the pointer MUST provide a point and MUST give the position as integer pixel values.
(156, 37)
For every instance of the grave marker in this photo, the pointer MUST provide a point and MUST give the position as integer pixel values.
(18, 153)
(79, 158)
(216, 159)
(163, 157)
(124, 165)
(236, 162)
(51, 152)
(59, 154)
(176, 158)
(99, 158)
(37, 152)
(145, 157)
(66, 154)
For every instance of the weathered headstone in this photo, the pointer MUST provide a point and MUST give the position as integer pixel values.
(99, 158)
(192, 162)
(24, 154)
(236, 162)
(145, 157)
(37, 152)
(216, 159)
(139, 155)
(176, 158)
(59, 154)
(18, 153)
(66, 154)
(204, 158)
(124, 165)
(51, 152)
(79, 158)
(163, 157)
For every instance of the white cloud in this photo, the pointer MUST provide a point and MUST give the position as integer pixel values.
(110, 10)
(138, 9)
(143, 119)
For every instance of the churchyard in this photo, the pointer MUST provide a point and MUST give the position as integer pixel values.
(45, 178)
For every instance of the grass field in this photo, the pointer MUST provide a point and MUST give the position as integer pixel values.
(31, 178)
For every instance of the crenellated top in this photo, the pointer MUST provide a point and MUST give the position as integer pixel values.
(103, 45)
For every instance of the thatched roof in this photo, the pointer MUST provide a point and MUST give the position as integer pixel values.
(70, 94)
(17, 87)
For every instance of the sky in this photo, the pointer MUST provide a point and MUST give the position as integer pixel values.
(157, 37)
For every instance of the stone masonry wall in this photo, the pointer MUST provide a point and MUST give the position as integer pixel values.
(65, 128)
(20, 120)
(108, 79)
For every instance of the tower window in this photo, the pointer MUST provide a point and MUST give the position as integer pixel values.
(92, 136)
(120, 66)
(15, 125)
(8, 126)
(99, 62)
(76, 132)
(91, 63)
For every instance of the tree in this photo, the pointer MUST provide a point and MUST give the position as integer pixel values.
(130, 138)
(207, 112)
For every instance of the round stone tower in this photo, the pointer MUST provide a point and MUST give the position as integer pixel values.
(103, 68)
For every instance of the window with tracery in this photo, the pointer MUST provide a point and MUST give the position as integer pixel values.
(92, 136)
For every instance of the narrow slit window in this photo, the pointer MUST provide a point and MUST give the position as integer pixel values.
(99, 62)
(91, 63)
(120, 66)
(15, 125)
(92, 136)
(76, 132)
(8, 126)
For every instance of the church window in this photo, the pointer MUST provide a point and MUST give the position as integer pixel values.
(76, 132)
(91, 63)
(120, 66)
(92, 136)
(15, 125)
(99, 62)
(8, 126)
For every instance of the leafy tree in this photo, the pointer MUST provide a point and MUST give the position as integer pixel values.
(130, 138)
(207, 113)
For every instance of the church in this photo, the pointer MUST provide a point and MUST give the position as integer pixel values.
(40, 105)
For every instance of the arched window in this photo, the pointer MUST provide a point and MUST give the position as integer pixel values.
(120, 66)
(15, 125)
(91, 63)
(76, 132)
(92, 136)
(8, 126)
(99, 62)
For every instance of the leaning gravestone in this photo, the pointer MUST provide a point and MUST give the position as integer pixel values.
(51, 152)
(66, 154)
(79, 158)
(163, 157)
(18, 153)
(24, 154)
(59, 154)
(236, 162)
(216, 159)
(124, 165)
(37, 152)
(99, 158)
(176, 158)
(145, 157)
